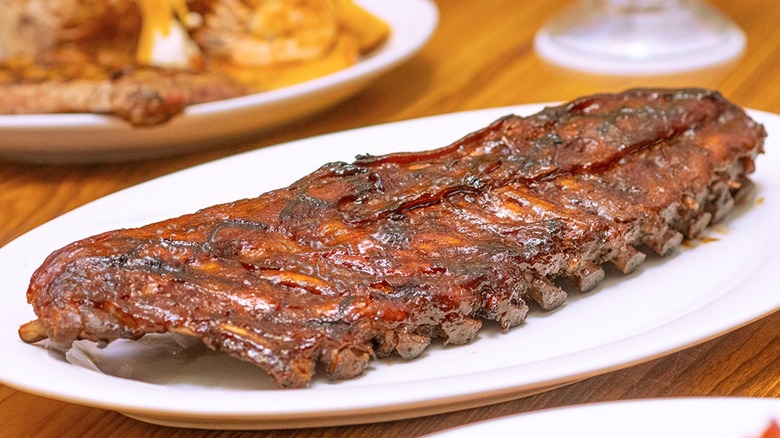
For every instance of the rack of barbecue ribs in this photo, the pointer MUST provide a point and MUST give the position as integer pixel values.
(377, 257)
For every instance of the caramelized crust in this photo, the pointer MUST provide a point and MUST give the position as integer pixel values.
(379, 256)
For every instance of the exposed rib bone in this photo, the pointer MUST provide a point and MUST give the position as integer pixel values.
(32, 331)
(746, 191)
(665, 242)
(698, 225)
(546, 294)
(411, 345)
(588, 277)
(722, 205)
(460, 331)
(345, 363)
(628, 259)
(514, 315)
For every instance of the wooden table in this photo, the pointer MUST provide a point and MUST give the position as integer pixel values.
(481, 56)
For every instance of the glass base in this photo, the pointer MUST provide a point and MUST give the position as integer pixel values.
(621, 37)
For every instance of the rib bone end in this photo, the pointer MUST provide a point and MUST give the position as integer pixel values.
(32, 332)
(544, 293)
(664, 243)
(628, 259)
(588, 277)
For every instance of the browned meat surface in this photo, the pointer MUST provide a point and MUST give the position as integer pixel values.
(141, 95)
(380, 256)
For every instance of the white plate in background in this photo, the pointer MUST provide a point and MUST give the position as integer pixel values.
(93, 137)
(716, 417)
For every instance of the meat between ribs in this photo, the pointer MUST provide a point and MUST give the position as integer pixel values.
(379, 256)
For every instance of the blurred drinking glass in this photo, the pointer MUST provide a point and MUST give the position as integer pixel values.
(639, 36)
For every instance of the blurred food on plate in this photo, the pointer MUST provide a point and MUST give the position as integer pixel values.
(146, 60)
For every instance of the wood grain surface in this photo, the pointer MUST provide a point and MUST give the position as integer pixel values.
(481, 56)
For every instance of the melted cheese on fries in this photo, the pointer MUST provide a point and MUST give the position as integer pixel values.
(164, 40)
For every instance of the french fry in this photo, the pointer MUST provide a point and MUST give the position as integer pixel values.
(359, 32)
(344, 54)
(369, 29)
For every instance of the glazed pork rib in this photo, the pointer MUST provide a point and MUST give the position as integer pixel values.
(376, 257)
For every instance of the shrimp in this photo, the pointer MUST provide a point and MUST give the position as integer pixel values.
(258, 33)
